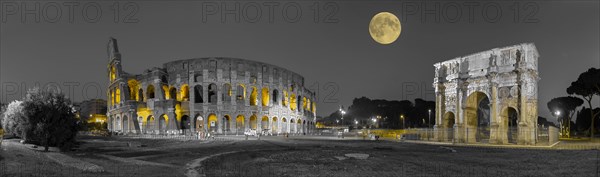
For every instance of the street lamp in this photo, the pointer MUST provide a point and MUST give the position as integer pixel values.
(429, 123)
(557, 114)
(403, 121)
(342, 112)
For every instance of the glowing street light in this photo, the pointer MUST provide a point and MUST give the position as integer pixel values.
(403, 121)
(342, 112)
(557, 114)
(429, 123)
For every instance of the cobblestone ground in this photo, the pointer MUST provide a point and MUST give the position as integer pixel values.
(306, 156)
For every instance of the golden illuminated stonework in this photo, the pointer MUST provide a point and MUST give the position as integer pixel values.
(488, 97)
(219, 95)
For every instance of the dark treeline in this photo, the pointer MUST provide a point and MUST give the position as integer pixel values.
(364, 109)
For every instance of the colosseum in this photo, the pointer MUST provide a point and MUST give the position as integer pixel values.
(214, 94)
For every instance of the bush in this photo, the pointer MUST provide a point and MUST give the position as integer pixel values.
(51, 119)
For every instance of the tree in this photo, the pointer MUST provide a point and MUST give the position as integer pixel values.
(52, 119)
(566, 106)
(583, 121)
(14, 121)
(587, 85)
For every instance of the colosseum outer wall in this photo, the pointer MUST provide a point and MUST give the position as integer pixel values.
(220, 95)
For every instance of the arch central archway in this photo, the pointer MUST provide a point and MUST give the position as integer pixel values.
(477, 114)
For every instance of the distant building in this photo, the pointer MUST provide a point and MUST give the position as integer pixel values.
(93, 110)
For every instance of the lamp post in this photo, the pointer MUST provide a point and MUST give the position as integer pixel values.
(374, 121)
(342, 112)
(557, 114)
(403, 121)
(429, 123)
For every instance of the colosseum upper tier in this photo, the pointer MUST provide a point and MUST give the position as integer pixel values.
(216, 94)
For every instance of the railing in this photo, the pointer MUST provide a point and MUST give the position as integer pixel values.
(543, 136)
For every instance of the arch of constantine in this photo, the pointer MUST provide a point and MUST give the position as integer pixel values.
(488, 97)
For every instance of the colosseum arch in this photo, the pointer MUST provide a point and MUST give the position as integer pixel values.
(240, 123)
(293, 102)
(275, 97)
(118, 124)
(264, 122)
(185, 122)
(213, 123)
(253, 122)
(299, 126)
(162, 124)
(226, 122)
(150, 92)
(253, 96)
(184, 93)
(265, 96)
(284, 126)
(140, 95)
(172, 95)
(241, 93)
(199, 122)
(149, 124)
(284, 99)
(226, 93)
(125, 124)
(293, 126)
(274, 128)
(213, 91)
(164, 92)
(198, 94)
(475, 90)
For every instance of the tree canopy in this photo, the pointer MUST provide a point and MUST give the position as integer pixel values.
(587, 85)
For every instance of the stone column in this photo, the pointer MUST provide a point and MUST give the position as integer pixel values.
(495, 128)
(134, 121)
(460, 131)
(437, 128)
(219, 123)
(247, 123)
(173, 126)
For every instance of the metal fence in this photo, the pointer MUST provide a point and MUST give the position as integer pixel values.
(539, 136)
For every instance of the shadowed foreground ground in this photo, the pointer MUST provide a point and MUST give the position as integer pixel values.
(276, 156)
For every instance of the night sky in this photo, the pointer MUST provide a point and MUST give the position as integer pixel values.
(335, 53)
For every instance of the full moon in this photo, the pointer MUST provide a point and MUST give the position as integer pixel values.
(385, 28)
